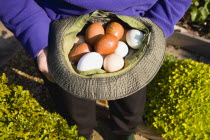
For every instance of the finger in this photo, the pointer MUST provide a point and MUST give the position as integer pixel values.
(49, 77)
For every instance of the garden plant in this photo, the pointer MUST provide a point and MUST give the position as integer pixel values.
(199, 10)
(21, 117)
(178, 100)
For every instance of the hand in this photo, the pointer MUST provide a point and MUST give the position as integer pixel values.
(43, 65)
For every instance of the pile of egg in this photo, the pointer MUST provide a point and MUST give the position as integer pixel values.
(104, 48)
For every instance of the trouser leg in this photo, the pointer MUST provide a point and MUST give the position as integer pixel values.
(126, 113)
(75, 110)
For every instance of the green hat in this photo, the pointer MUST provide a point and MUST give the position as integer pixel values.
(140, 65)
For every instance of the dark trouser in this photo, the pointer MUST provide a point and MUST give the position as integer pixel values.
(125, 113)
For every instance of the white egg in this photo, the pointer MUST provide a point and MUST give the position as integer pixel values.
(134, 38)
(79, 39)
(122, 49)
(89, 61)
(113, 62)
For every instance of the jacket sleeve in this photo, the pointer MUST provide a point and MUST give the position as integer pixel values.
(166, 13)
(28, 22)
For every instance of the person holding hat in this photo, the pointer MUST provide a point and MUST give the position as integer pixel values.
(30, 21)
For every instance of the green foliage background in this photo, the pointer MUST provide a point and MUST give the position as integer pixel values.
(178, 107)
(199, 10)
(178, 100)
(21, 117)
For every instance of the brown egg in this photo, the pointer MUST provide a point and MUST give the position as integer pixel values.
(78, 51)
(93, 32)
(115, 29)
(123, 38)
(113, 62)
(106, 44)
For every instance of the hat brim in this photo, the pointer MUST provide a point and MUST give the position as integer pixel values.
(105, 88)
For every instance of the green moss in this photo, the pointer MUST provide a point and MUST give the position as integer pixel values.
(178, 101)
(21, 117)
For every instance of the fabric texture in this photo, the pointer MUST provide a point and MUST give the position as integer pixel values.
(106, 86)
(82, 112)
(30, 21)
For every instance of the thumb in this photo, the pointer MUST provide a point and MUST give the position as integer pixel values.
(43, 65)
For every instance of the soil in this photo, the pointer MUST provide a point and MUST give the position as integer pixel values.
(21, 70)
(199, 29)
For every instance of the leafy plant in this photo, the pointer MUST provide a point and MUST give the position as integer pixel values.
(21, 117)
(178, 101)
(199, 10)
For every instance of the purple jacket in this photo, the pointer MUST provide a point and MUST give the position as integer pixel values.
(30, 21)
